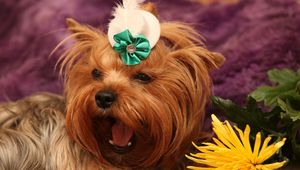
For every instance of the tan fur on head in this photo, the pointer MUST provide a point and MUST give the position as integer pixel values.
(166, 113)
(45, 131)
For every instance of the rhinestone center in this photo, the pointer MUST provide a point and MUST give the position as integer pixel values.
(131, 48)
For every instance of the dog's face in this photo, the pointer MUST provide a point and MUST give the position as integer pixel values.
(137, 116)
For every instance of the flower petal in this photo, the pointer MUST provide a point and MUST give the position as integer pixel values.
(130, 59)
(120, 47)
(142, 54)
(256, 148)
(142, 46)
(232, 152)
(124, 36)
(275, 165)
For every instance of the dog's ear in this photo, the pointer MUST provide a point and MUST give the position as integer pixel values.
(218, 59)
(82, 32)
(212, 60)
(86, 38)
(183, 39)
(150, 7)
(72, 24)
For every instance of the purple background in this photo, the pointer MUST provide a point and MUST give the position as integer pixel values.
(254, 36)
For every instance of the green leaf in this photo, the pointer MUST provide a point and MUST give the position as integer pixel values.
(251, 114)
(288, 110)
(284, 76)
(284, 118)
(287, 83)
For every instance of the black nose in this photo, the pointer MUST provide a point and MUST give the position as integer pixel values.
(105, 99)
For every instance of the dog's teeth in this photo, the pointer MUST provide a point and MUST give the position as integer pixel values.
(129, 144)
(111, 142)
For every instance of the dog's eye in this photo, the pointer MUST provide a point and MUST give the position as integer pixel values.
(143, 77)
(96, 74)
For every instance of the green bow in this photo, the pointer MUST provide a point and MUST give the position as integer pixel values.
(131, 49)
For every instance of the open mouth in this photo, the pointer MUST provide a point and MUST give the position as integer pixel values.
(122, 138)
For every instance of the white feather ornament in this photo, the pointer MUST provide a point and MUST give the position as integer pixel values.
(129, 16)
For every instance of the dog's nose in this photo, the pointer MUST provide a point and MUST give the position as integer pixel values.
(105, 99)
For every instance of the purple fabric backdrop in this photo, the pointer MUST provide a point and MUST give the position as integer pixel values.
(254, 36)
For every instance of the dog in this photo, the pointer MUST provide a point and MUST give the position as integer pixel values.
(114, 116)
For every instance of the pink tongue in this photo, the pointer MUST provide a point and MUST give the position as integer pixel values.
(121, 134)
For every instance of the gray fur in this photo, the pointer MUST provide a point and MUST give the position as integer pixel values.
(33, 136)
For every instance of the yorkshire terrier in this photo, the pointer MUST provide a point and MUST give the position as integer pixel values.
(114, 116)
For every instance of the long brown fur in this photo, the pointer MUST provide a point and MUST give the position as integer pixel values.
(166, 113)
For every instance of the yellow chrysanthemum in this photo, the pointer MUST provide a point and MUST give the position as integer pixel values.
(233, 152)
